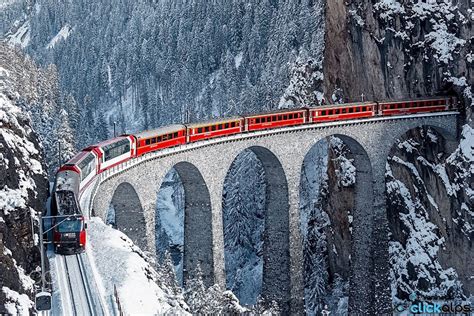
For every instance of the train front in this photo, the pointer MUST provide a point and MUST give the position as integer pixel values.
(69, 234)
(69, 227)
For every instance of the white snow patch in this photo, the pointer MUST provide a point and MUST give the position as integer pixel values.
(11, 199)
(16, 303)
(388, 8)
(467, 143)
(238, 59)
(21, 37)
(443, 42)
(63, 34)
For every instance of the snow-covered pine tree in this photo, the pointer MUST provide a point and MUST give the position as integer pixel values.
(168, 274)
(195, 293)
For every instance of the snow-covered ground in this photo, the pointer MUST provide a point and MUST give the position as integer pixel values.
(21, 37)
(63, 34)
(119, 263)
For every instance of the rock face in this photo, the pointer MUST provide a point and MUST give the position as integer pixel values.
(429, 206)
(397, 49)
(23, 192)
(404, 49)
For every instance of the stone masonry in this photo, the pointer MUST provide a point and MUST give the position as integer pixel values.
(203, 169)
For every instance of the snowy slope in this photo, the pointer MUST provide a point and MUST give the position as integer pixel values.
(121, 264)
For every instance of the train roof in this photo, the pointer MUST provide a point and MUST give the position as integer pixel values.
(341, 105)
(214, 122)
(106, 142)
(77, 158)
(160, 131)
(67, 180)
(415, 100)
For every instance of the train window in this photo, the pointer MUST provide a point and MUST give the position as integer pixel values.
(337, 111)
(280, 117)
(213, 127)
(290, 116)
(232, 124)
(351, 110)
(87, 166)
(116, 149)
(147, 142)
(175, 135)
(357, 109)
(344, 110)
(153, 140)
(323, 112)
(237, 123)
(274, 118)
(199, 129)
(226, 125)
(257, 120)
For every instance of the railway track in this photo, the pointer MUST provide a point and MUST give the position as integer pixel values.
(82, 300)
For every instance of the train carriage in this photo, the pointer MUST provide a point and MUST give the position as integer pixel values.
(414, 106)
(337, 112)
(275, 119)
(85, 163)
(214, 128)
(114, 151)
(160, 138)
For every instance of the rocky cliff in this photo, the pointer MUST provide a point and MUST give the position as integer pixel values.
(398, 49)
(392, 49)
(23, 192)
(429, 207)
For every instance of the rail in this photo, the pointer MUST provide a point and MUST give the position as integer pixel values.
(82, 299)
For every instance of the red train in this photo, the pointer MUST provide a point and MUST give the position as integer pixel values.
(79, 171)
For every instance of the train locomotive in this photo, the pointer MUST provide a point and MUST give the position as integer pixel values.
(74, 176)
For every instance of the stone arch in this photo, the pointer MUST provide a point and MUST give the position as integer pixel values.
(198, 241)
(128, 214)
(354, 259)
(276, 255)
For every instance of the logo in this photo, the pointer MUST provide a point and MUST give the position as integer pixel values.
(428, 307)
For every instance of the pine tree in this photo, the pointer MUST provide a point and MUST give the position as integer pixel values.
(168, 274)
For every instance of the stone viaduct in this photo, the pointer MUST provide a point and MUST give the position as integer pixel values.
(203, 167)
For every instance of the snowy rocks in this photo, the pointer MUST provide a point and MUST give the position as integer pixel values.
(397, 49)
(23, 193)
(430, 217)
